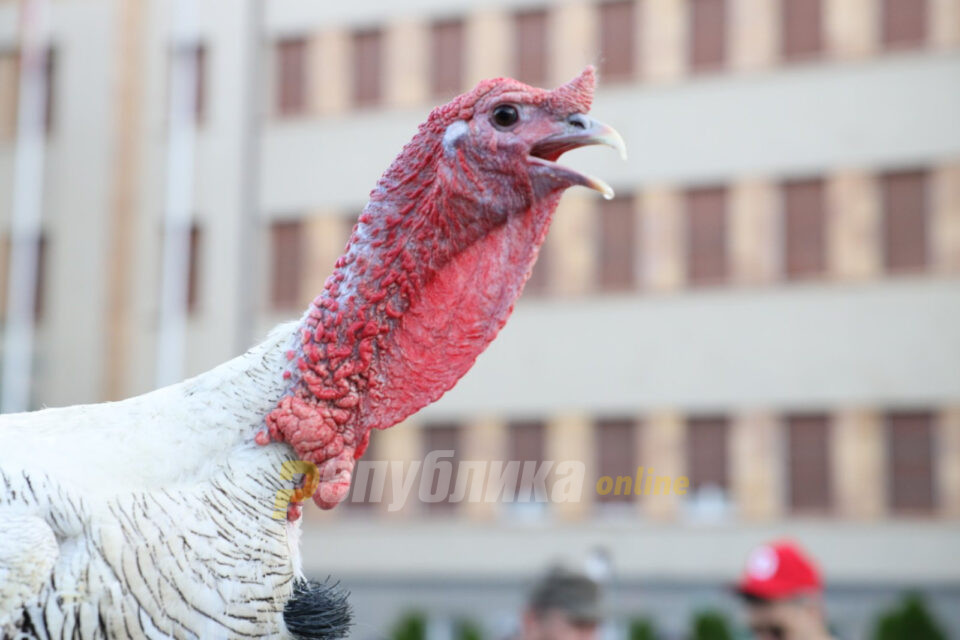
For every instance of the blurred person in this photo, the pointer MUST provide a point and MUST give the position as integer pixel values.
(563, 605)
(783, 594)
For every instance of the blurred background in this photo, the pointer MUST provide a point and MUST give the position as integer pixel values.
(770, 306)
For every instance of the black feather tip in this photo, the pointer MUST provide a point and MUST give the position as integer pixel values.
(318, 611)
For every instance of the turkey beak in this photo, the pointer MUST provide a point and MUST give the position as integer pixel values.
(579, 130)
(586, 131)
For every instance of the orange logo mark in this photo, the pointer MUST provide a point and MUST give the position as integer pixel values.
(311, 478)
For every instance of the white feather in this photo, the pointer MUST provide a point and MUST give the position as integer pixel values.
(150, 517)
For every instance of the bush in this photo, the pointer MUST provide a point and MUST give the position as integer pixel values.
(909, 619)
(711, 625)
(641, 629)
(467, 630)
(412, 626)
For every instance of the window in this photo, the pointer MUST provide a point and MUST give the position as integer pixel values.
(367, 68)
(910, 461)
(526, 446)
(200, 97)
(808, 462)
(530, 47)
(193, 277)
(40, 285)
(617, 40)
(446, 63)
(442, 437)
(708, 35)
(801, 29)
(539, 282)
(526, 440)
(290, 88)
(4, 272)
(10, 92)
(706, 235)
(287, 244)
(40, 275)
(617, 457)
(616, 254)
(196, 57)
(707, 453)
(905, 220)
(51, 85)
(804, 228)
(904, 23)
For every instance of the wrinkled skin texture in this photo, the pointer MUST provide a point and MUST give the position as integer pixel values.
(429, 276)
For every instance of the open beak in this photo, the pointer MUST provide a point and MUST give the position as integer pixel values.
(579, 131)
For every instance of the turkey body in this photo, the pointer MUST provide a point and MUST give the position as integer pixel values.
(151, 517)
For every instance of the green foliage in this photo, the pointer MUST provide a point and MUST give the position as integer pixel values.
(711, 625)
(909, 619)
(641, 629)
(412, 626)
(467, 630)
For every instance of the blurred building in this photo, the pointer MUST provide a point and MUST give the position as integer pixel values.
(771, 305)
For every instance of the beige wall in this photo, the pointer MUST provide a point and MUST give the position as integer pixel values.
(854, 238)
(663, 40)
(754, 232)
(662, 233)
(859, 464)
(755, 465)
(663, 449)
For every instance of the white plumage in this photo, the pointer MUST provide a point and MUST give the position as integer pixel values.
(150, 517)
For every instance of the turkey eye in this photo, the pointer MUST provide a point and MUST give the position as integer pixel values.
(506, 115)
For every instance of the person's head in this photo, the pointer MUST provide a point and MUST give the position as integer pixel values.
(563, 605)
(782, 592)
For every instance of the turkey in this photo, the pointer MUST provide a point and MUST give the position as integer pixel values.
(153, 517)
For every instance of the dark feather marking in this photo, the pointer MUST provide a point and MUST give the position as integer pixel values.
(172, 498)
(126, 624)
(64, 627)
(172, 583)
(237, 500)
(146, 583)
(26, 625)
(318, 611)
(140, 613)
(202, 535)
(211, 502)
(173, 555)
(46, 611)
(26, 477)
(160, 506)
(190, 604)
(123, 519)
(100, 551)
(54, 519)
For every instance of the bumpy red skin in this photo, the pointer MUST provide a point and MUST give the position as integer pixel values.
(429, 276)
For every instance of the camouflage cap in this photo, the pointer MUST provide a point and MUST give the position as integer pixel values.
(573, 593)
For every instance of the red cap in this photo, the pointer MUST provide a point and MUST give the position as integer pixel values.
(779, 570)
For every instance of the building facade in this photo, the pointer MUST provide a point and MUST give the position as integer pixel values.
(768, 307)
